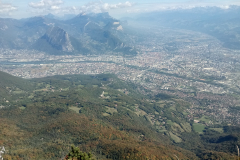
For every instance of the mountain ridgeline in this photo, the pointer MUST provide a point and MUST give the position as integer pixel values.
(83, 34)
(59, 39)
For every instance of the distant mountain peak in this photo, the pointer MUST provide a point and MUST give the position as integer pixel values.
(104, 14)
(83, 34)
(59, 39)
(50, 15)
(81, 14)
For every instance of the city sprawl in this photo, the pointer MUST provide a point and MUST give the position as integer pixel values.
(186, 64)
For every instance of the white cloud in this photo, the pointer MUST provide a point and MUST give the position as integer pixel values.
(6, 8)
(151, 7)
(107, 6)
(98, 7)
(46, 4)
(56, 7)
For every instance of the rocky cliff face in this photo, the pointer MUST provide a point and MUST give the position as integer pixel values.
(58, 39)
(83, 34)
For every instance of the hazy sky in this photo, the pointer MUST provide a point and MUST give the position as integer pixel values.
(116, 8)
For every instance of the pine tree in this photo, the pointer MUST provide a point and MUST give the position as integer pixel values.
(76, 154)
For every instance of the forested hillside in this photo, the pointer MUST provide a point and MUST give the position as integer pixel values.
(103, 115)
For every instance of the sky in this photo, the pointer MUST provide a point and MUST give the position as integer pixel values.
(117, 8)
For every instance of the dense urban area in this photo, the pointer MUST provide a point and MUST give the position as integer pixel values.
(162, 85)
(190, 65)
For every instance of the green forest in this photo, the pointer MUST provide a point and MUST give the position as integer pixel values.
(105, 118)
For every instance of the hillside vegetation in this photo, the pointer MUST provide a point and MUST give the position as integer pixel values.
(106, 116)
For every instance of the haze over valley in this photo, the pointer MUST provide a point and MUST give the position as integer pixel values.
(173, 73)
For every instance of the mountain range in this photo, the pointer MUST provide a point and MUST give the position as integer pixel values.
(84, 34)
(221, 23)
(41, 118)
